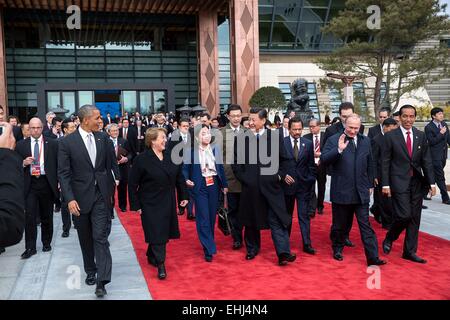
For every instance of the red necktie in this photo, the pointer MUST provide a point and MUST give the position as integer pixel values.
(317, 145)
(409, 143)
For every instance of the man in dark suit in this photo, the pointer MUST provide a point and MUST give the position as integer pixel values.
(351, 166)
(56, 131)
(124, 156)
(264, 205)
(181, 140)
(12, 202)
(87, 166)
(384, 204)
(229, 132)
(108, 120)
(128, 133)
(383, 114)
(17, 132)
(299, 175)
(345, 110)
(48, 125)
(14, 121)
(317, 139)
(439, 140)
(41, 186)
(140, 135)
(161, 123)
(67, 127)
(405, 156)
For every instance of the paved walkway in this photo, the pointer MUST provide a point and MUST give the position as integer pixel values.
(59, 274)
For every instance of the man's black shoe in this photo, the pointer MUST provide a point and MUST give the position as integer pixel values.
(387, 246)
(90, 279)
(348, 243)
(65, 234)
(338, 256)
(309, 250)
(413, 258)
(424, 207)
(237, 245)
(320, 210)
(100, 291)
(47, 248)
(2, 250)
(250, 256)
(28, 253)
(446, 202)
(284, 258)
(376, 262)
(191, 217)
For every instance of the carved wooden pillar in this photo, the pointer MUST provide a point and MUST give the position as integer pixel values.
(244, 50)
(208, 72)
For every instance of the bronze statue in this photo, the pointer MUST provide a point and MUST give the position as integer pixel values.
(300, 99)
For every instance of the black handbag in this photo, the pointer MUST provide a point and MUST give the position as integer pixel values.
(223, 221)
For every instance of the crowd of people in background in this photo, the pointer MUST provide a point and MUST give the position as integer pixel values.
(76, 166)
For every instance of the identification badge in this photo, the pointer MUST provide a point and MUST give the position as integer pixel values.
(209, 181)
(35, 170)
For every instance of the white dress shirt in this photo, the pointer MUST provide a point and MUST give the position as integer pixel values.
(41, 150)
(84, 136)
(410, 135)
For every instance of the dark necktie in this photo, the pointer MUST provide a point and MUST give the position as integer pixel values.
(351, 144)
(36, 152)
(296, 149)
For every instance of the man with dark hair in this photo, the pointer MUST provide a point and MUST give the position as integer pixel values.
(299, 176)
(263, 203)
(405, 155)
(87, 167)
(383, 114)
(351, 167)
(396, 117)
(384, 204)
(55, 132)
(14, 121)
(229, 132)
(206, 119)
(317, 139)
(439, 140)
(129, 133)
(67, 127)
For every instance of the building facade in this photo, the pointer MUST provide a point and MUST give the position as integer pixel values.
(151, 55)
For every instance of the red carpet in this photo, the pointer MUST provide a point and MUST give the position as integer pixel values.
(231, 277)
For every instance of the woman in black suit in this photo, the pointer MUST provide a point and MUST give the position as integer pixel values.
(152, 184)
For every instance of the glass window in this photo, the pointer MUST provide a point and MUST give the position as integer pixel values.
(289, 13)
(335, 100)
(316, 3)
(284, 34)
(85, 97)
(53, 100)
(145, 99)
(359, 99)
(69, 102)
(129, 101)
(264, 33)
(309, 35)
(159, 100)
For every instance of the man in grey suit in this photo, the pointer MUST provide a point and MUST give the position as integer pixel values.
(87, 167)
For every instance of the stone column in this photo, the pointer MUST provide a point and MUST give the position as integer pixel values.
(208, 73)
(244, 51)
